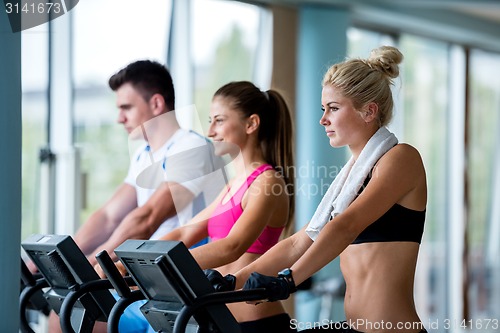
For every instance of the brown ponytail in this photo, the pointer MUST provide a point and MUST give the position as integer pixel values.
(276, 129)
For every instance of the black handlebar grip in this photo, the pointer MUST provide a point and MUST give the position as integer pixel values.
(113, 274)
(26, 275)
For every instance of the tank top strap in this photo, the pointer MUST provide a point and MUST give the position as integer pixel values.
(256, 173)
(250, 179)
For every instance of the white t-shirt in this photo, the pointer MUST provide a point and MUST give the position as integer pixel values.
(186, 158)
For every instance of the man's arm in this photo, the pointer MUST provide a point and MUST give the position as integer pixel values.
(101, 224)
(143, 221)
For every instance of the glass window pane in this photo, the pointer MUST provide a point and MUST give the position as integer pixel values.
(425, 91)
(361, 42)
(224, 45)
(34, 63)
(126, 31)
(483, 127)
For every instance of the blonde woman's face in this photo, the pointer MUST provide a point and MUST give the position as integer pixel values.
(342, 122)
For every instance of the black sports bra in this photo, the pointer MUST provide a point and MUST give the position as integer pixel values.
(398, 224)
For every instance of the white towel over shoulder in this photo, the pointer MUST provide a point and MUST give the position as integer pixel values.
(348, 182)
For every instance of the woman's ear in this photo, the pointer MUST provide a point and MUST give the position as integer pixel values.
(157, 104)
(370, 112)
(253, 123)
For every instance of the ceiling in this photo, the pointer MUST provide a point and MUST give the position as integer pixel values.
(490, 13)
(468, 22)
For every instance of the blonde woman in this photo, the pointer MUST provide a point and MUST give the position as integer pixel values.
(372, 217)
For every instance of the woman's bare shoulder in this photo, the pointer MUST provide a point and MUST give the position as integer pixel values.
(402, 155)
(402, 164)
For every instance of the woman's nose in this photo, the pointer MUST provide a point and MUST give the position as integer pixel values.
(211, 131)
(324, 120)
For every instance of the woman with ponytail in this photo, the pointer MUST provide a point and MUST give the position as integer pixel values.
(255, 128)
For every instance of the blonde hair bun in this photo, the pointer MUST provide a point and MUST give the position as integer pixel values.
(386, 60)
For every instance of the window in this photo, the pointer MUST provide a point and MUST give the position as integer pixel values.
(224, 46)
(103, 44)
(425, 90)
(35, 71)
(361, 42)
(483, 162)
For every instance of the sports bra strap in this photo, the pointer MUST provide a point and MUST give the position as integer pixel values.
(241, 191)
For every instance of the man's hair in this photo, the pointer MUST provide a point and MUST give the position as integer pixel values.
(148, 78)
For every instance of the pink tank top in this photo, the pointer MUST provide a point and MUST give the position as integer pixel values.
(226, 214)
